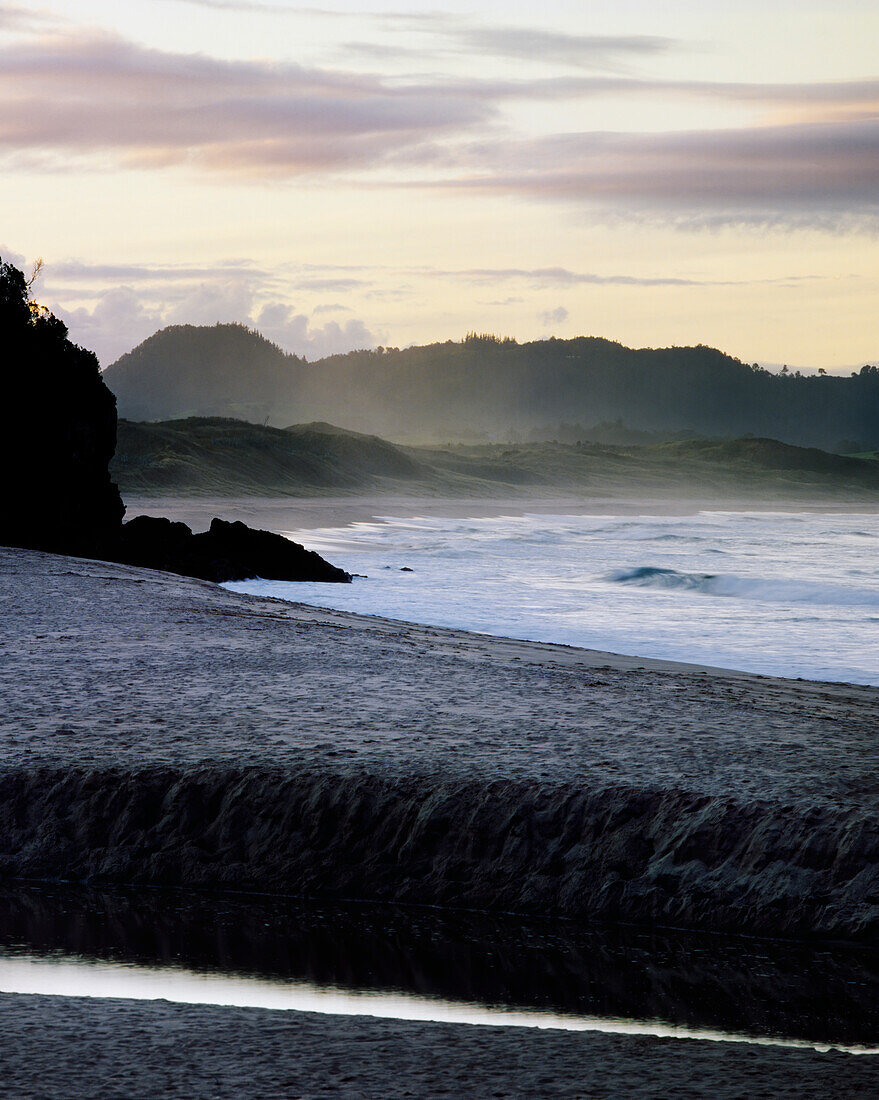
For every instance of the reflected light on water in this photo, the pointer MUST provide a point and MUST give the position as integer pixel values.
(71, 976)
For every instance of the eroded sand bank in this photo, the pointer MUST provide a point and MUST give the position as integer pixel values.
(161, 730)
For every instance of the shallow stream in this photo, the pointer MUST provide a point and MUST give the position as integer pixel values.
(421, 964)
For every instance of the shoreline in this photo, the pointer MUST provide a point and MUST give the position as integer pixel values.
(303, 513)
(538, 652)
(352, 529)
(160, 1048)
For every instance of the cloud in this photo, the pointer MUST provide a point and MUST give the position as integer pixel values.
(248, 6)
(118, 322)
(578, 50)
(330, 283)
(17, 17)
(331, 307)
(552, 317)
(98, 94)
(453, 34)
(820, 167)
(123, 316)
(97, 99)
(295, 332)
(561, 276)
(461, 36)
(214, 303)
(7, 256)
(260, 7)
(77, 270)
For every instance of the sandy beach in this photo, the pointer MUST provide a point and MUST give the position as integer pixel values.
(395, 762)
(163, 731)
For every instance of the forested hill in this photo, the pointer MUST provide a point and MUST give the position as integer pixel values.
(223, 370)
(483, 387)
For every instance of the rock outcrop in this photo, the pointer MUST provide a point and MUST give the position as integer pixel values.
(226, 552)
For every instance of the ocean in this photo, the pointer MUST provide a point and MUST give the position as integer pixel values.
(779, 593)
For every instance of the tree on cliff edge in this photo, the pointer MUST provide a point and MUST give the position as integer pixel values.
(58, 432)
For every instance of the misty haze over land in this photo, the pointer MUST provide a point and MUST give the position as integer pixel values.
(485, 388)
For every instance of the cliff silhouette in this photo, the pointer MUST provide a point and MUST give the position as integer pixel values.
(56, 446)
(59, 432)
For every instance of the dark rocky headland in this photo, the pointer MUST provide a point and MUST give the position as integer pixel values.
(58, 438)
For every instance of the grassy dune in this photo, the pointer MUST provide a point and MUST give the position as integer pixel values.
(214, 456)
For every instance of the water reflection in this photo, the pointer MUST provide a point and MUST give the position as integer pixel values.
(819, 994)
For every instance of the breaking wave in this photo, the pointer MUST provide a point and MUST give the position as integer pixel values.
(699, 588)
(779, 590)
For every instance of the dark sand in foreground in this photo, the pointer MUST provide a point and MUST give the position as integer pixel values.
(80, 1048)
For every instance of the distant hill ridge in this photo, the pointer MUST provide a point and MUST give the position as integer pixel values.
(487, 388)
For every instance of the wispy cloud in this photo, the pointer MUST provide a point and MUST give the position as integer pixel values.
(820, 167)
(94, 94)
(77, 270)
(19, 17)
(576, 50)
(255, 7)
(330, 283)
(78, 98)
(455, 34)
(331, 307)
(538, 277)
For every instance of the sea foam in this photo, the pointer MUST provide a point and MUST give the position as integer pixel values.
(790, 594)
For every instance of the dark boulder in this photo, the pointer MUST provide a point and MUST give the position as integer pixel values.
(227, 552)
(153, 543)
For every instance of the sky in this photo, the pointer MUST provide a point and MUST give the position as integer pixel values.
(358, 174)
